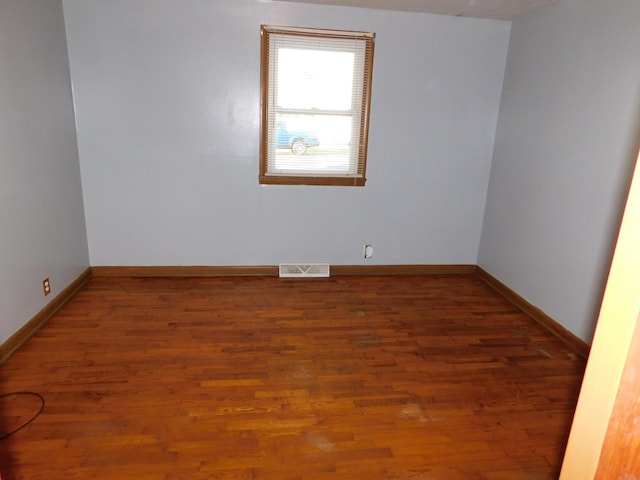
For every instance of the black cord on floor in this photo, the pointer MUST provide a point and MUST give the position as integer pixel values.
(4, 436)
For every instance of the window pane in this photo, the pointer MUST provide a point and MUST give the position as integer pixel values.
(315, 105)
(314, 79)
(316, 144)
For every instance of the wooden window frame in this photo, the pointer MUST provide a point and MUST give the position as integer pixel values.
(365, 105)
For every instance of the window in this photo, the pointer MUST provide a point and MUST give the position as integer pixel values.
(316, 90)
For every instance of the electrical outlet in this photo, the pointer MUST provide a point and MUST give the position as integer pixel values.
(46, 286)
(368, 251)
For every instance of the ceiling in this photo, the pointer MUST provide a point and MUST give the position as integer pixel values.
(495, 9)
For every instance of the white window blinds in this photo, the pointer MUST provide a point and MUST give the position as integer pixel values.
(315, 105)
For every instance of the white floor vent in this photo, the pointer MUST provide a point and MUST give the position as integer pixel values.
(300, 270)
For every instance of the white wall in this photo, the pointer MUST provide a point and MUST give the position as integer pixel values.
(42, 230)
(567, 139)
(167, 104)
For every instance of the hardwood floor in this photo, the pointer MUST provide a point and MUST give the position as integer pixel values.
(416, 377)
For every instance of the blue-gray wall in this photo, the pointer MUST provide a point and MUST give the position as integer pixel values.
(167, 102)
(42, 228)
(567, 139)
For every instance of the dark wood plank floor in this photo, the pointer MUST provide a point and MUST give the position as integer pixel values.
(266, 378)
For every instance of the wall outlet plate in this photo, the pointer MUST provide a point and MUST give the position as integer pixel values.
(368, 251)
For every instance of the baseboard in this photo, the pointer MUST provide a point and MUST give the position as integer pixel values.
(13, 343)
(10, 346)
(374, 270)
(186, 271)
(272, 271)
(576, 344)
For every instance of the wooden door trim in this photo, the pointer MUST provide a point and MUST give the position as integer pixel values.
(610, 349)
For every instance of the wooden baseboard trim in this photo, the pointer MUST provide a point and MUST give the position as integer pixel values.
(377, 270)
(186, 271)
(576, 344)
(10, 346)
(272, 270)
(13, 343)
